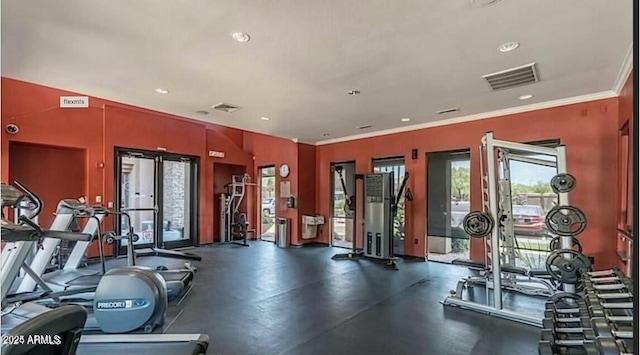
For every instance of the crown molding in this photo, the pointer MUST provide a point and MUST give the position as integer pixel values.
(481, 116)
(625, 70)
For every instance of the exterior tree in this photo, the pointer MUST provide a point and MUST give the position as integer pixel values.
(460, 178)
(541, 188)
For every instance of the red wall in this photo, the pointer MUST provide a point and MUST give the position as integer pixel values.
(63, 167)
(106, 125)
(274, 151)
(587, 129)
(307, 180)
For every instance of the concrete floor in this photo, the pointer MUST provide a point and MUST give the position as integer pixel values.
(266, 300)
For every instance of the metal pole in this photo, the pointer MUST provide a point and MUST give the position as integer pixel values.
(495, 233)
(523, 147)
(563, 199)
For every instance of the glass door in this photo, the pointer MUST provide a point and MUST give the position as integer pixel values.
(137, 179)
(395, 166)
(342, 219)
(448, 202)
(268, 207)
(164, 182)
(178, 202)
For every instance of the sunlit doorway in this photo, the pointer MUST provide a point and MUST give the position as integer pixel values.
(342, 218)
(268, 206)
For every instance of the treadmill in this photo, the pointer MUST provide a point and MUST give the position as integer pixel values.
(73, 276)
(178, 280)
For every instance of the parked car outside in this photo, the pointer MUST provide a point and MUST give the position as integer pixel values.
(269, 205)
(459, 209)
(528, 220)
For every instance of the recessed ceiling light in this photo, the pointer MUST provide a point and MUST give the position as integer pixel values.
(353, 92)
(525, 97)
(405, 119)
(485, 2)
(240, 37)
(508, 47)
(264, 118)
(326, 135)
(162, 91)
(202, 112)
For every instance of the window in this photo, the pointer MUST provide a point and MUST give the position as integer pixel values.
(531, 199)
(448, 202)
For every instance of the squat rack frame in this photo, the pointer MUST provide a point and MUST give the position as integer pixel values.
(516, 151)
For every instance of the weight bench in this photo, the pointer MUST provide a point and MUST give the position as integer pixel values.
(475, 265)
(509, 282)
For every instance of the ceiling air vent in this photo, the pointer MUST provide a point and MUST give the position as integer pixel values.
(513, 77)
(365, 127)
(448, 110)
(225, 107)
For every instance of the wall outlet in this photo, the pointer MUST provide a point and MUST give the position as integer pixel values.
(98, 199)
(110, 204)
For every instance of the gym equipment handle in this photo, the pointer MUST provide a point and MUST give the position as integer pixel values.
(153, 209)
(33, 197)
(79, 237)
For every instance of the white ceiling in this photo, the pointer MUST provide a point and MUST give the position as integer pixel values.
(409, 58)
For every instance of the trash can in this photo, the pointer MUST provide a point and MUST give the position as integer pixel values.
(282, 237)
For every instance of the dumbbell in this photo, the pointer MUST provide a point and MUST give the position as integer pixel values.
(605, 329)
(558, 339)
(613, 283)
(599, 310)
(608, 346)
(567, 303)
(554, 321)
(550, 348)
(604, 273)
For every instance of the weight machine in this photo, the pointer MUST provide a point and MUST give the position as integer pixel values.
(495, 225)
(233, 223)
(380, 209)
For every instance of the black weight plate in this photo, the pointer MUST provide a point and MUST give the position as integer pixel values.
(566, 221)
(566, 265)
(555, 244)
(477, 224)
(563, 183)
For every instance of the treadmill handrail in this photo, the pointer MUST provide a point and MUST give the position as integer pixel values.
(72, 236)
(143, 338)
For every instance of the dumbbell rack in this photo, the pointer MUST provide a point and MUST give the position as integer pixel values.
(493, 175)
(600, 323)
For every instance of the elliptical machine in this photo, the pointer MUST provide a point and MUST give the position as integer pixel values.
(126, 299)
